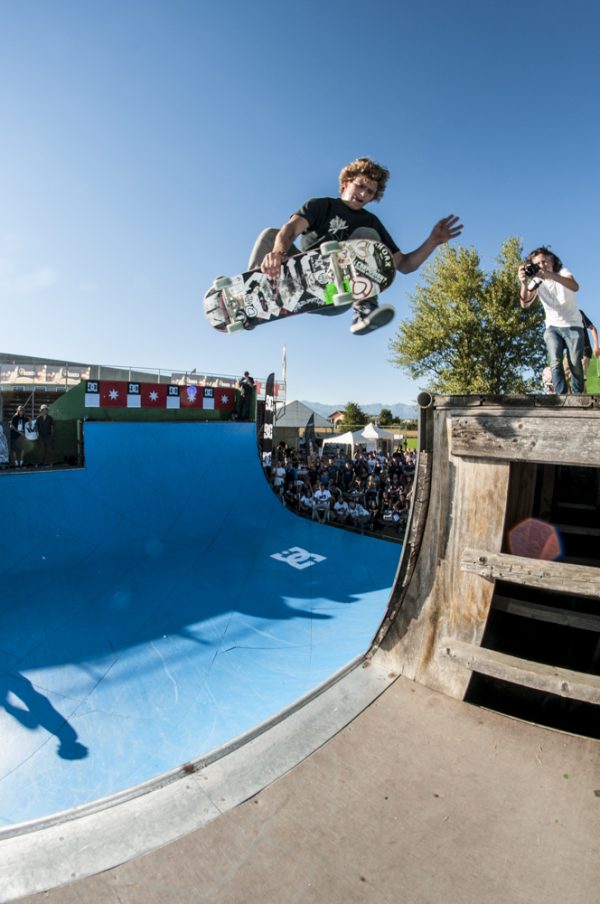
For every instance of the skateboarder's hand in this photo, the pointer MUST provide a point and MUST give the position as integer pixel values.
(445, 229)
(271, 264)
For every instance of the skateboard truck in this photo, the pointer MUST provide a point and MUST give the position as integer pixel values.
(223, 285)
(332, 250)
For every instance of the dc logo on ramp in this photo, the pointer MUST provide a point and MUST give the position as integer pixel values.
(298, 558)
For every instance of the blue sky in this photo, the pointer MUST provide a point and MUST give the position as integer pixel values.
(145, 143)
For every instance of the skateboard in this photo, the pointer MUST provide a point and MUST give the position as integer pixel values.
(326, 280)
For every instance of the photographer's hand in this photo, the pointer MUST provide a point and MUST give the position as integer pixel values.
(526, 296)
(569, 282)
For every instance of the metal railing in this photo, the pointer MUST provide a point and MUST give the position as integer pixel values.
(62, 377)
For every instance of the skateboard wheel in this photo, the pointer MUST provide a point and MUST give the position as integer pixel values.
(330, 247)
(223, 282)
(343, 298)
(235, 327)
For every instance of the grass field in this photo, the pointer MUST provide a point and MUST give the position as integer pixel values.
(592, 383)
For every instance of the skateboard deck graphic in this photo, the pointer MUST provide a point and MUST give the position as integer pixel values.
(325, 280)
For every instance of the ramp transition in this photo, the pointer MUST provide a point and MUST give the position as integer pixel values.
(159, 603)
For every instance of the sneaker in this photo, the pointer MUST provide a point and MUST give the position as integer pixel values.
(368, 316)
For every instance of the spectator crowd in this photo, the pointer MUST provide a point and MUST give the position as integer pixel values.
(368, 491)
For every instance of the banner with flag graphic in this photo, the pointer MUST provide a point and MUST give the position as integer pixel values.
(121, 394)
(173, 397)
(208, 398)
(113, 394)
(92, 394)
(224, 399)
(190, 396)
(154, 395)
(134, 396)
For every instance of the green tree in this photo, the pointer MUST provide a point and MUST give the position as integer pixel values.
(407, 425)
(385, 417)
(468, 333)
(354, 416)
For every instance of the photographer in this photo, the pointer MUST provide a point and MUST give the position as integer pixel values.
(543, 276)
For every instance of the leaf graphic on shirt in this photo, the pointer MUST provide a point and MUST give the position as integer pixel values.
(337, 225)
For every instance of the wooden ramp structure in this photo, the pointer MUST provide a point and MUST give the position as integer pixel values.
(387, 785)
(506, 519)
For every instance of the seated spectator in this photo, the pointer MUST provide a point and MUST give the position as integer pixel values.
(358, 516)
(291, 497)
(306, 502)
(322, 497)
(387, 511)
(401, 508)
(335, 491)
(373, 510)
(340, 510)
(394, 489)
(356, 491)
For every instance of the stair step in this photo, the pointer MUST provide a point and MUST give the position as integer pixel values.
(547, 678)
(561, 577)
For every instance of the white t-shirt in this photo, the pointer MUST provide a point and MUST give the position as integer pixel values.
(560, 303)
(322, 497)
(278, 476)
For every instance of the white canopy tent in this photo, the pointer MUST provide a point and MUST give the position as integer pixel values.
(370, 436)
(340, 439)
(373, 432)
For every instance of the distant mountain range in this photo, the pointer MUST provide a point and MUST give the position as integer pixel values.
(404, 412)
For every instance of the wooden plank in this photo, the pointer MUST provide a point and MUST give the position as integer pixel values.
(581, 530)
(549, 439)
(549, 614)
(537, 405)
(547, 678)
(560, 577)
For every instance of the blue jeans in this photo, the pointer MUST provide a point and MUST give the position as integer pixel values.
(559, 339)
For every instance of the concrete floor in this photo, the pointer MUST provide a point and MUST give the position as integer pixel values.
(421, 799)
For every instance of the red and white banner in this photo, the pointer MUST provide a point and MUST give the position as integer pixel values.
(120, 394)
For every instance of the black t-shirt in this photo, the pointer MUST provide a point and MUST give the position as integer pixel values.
(329, 219)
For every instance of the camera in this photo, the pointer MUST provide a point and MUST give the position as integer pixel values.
(531, 269)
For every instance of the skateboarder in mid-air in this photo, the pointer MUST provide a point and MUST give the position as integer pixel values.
(340, 219)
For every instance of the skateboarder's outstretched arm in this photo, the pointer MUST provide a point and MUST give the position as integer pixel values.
(445, 229)
(284, 239)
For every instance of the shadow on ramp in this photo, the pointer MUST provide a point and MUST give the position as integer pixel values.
(159, 603)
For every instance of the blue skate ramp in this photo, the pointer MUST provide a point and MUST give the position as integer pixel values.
(157, 604)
